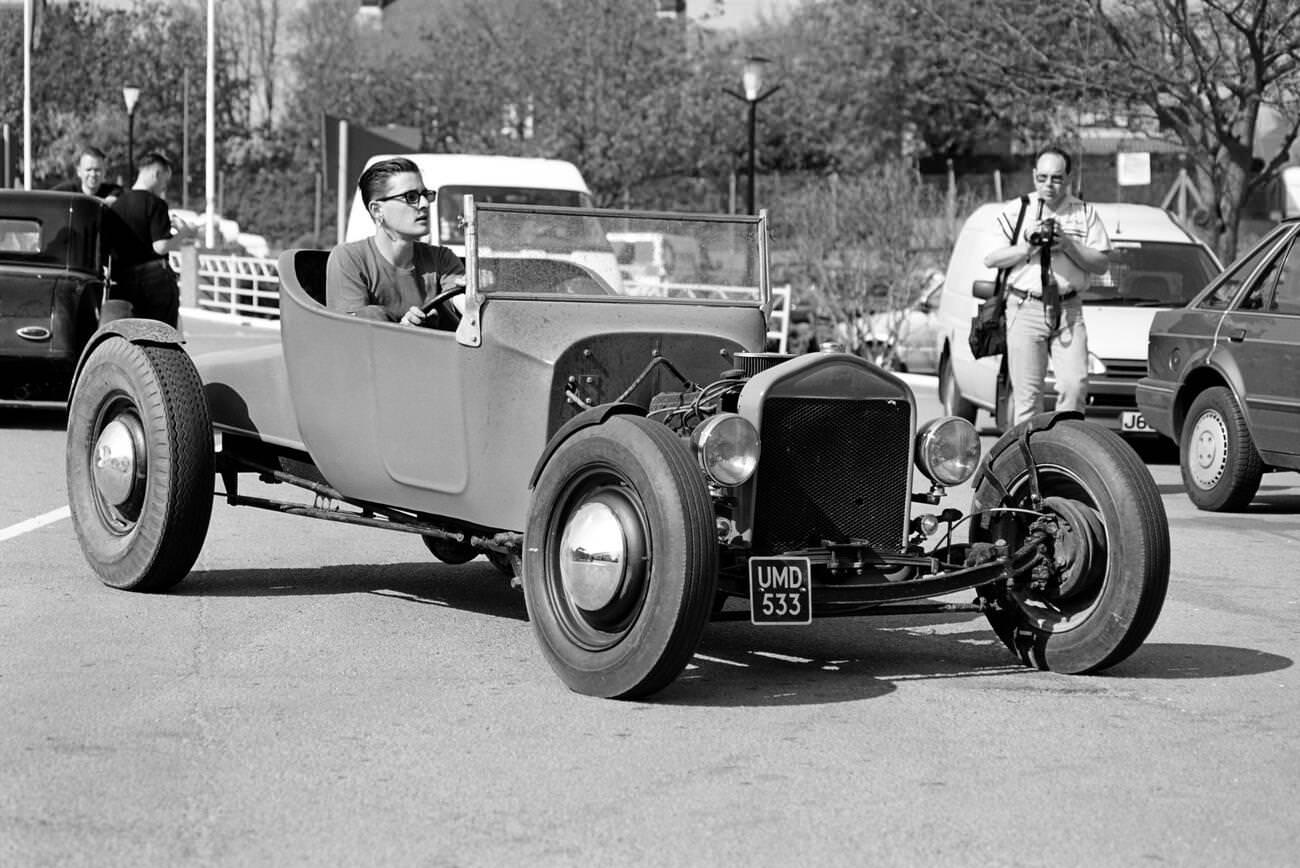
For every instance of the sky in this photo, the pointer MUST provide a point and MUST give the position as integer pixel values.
(736, 14)
(739, 14)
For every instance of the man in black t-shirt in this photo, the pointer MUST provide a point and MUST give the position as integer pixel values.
(140, 266)
(90, 177)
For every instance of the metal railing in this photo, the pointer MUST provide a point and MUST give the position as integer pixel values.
(247, 286)
(240, 286)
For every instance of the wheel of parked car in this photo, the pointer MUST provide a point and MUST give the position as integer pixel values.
(620, 558)
(1221, 467)
(1102, 590)
(140, 464)
(448, 550)
(953, 403)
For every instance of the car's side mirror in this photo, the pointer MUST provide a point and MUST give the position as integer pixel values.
(983, 289)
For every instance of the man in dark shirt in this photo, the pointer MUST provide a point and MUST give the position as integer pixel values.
(90, 177)
(140, 265)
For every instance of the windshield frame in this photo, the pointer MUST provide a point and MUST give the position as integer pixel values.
(469, 332)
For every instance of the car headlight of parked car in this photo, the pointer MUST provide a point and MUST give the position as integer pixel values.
(948, 450)
(726, 446)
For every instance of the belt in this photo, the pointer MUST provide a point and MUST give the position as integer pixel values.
(1037, 296)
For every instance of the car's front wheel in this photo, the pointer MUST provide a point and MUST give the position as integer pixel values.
(1103, 570)
(139, 464)
(620, 558)
(1221, 467)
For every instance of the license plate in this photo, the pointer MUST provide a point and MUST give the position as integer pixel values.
(780, 590)
(1131, 420)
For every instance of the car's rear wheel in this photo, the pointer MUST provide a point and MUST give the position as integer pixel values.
(448, 550)
(139, 464)
(1221, 467)
(953, 402)
(620, 558)
(1098, 596)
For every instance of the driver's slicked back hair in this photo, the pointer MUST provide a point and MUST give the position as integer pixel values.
(374, 179)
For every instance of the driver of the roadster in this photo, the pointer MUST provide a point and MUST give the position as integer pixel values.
(390, 275)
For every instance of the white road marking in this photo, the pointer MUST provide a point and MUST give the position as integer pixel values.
(402, 595)
(34, 523)
(720, 660)
(783, 657)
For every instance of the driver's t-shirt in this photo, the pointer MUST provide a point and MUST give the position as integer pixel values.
(361, 282)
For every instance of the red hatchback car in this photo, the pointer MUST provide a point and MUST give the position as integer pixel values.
(1224, 375)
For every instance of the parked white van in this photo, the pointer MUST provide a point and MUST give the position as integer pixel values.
(1155, 264)
(506, 180)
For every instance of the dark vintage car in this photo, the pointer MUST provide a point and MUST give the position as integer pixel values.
(1224, 375)
(632, 461)
(52, 262)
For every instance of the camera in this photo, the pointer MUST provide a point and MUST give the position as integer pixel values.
(1046, 234)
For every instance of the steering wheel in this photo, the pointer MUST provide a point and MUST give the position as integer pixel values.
(441, 304)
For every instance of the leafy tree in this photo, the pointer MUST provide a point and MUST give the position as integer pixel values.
(87, 53)
(258, 27)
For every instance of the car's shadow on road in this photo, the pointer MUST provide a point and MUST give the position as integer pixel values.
(736, 664)
(474, 587)
(1171, 660)
(35, 419)
(834, 660)
(1279, 499)
(746, 666)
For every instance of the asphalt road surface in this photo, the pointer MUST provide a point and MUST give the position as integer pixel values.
(317, 694)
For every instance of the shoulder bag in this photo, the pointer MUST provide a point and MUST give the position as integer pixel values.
(988, 328)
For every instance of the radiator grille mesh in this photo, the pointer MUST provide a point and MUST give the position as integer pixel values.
(835, 470)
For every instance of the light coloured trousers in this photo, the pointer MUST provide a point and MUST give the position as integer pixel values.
(1030, 342)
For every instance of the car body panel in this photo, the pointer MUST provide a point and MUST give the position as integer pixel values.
(416, 419)
(247, 392)
(52, 253)
(1242, 332)
(911, 332)
(1155, 262)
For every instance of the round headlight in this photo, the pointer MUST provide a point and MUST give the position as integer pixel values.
(948, 450)
(726, 446)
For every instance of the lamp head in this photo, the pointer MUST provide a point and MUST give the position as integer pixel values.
(751, 77)
(130, 95)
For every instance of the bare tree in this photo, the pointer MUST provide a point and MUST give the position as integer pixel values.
(1207, 70)
(864, 243)
(1204, 70)
(259, 24)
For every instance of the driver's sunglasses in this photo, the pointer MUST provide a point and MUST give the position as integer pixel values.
(412, 197)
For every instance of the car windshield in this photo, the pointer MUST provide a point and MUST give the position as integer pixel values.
(1152, 274)
(451, 204)
(532, 250)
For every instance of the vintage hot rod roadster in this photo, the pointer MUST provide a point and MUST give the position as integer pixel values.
(633, 459)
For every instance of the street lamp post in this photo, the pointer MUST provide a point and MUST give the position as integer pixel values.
(130, 95)
(751, 79)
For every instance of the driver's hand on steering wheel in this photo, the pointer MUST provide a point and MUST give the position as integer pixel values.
(415, 317)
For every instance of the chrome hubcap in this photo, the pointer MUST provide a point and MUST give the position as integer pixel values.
(1207, 451)
(593, 556)
(115, 462)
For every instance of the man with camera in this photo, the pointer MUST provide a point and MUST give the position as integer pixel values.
(1060, 244)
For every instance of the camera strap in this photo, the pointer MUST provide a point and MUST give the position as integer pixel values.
(1001, 279)
(1051, 293)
